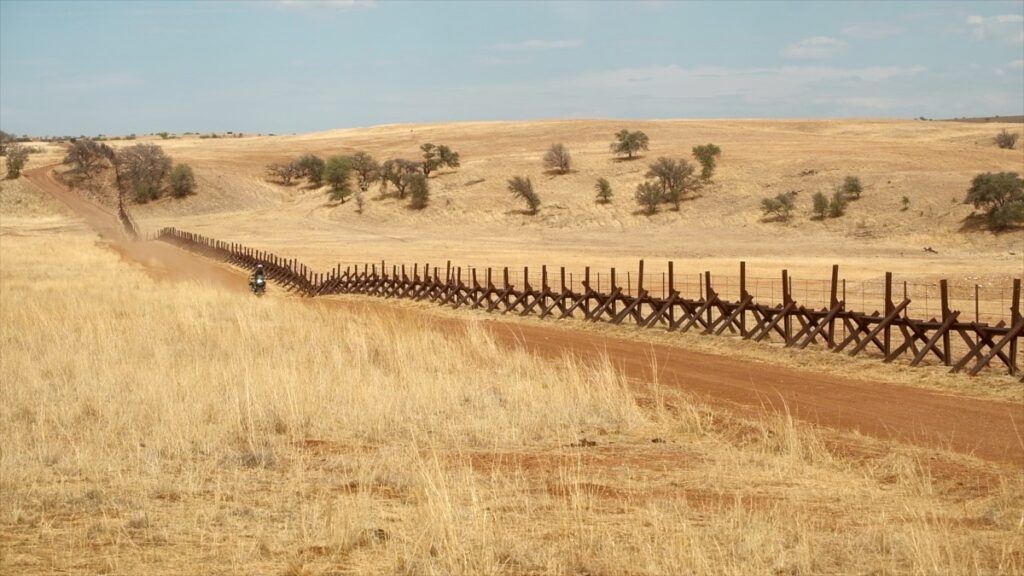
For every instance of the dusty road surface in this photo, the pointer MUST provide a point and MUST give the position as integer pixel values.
(989, 429)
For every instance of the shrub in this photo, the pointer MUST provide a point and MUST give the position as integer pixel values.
(851, 188)
(675, 177)
(604, 190)
(904, 203)
(1006, 140)
(182, 181)
(17, 157)
(312, 168)
(648, 195)
(781, 206)
(837, 206)
(419, 192)
(397, 173)
(360, 201)
(1001, 195)
(523, 188)
(336, 174)
(557, 158)
(820, 202)
(629, 143)
(163, 135)
(285, 173)
(366, 168)
(707, 156)
(435, 157)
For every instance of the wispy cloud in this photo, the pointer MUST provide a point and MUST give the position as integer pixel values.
(1016, 65)
(872, 30)
(814, 48)
(1008, 28)
(533, 45)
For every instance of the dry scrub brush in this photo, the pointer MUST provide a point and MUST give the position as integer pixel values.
(157, 428)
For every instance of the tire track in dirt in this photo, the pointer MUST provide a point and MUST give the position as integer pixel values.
(989, 429)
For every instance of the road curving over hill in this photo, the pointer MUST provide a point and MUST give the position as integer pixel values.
(989, 429)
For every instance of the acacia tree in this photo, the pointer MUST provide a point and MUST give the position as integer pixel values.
(675, 178)
(851, 187)
(604, 190)
(629, 143)
(336, 174)
(557, 158)
(648, 195)
(435, 157)
(781, 206)
(1001, 195)
(142, 169)
(17, 157)
(366, 168)
(87, 155)
(311, 167)
(523, 188)
(397, 173)
(707, 155)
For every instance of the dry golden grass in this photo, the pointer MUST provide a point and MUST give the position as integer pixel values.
(150, 428)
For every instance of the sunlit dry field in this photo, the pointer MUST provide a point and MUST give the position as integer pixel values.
(165, 428)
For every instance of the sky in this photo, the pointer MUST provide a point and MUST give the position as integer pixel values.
(292, 66)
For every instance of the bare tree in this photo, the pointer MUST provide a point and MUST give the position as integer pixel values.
(87, 155)
(285, 173)
(557, 158)
(142, 168)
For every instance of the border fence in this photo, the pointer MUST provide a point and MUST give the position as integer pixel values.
(756, 309)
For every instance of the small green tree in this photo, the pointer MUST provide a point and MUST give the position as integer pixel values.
(337, 171)
(820, 205)
(312, 167)
(435, 157)
(419, 192)
(523, 188)
(851, 188)
(604, 190)
(1001, 195)
(397, 173)
(629, 143)
(707, 155)
(837, 206)
(780, 207)
(366, 168)
(17, 157)
(675, 177)
(648, 195)
(182, 181)
(1006, 140)
(557, 158)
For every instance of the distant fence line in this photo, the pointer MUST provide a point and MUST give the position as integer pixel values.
(681, 304)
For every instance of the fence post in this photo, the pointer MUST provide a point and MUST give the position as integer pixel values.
(833, 302)
(944, 298)
(708, 291)
(889, 306)
(977, 291)
(640, 280)
(1014, 319)
(787, 322)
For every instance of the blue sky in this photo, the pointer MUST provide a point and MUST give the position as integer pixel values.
(296, 66)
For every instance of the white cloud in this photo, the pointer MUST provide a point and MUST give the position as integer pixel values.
(1016, 65)
(814, 48)
(872, 30)
(531, 45)
(1008, 28)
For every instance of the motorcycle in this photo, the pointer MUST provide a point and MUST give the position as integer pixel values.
(258, 285)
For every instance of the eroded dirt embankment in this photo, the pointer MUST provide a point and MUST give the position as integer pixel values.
(990, 429)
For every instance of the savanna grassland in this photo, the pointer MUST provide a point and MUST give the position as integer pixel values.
(149, 427)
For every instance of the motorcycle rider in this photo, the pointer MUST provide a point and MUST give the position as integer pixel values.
(259, 277)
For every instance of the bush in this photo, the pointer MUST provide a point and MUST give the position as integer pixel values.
(707, 156)
(435, 157)
(1006, 140)
(88, 155)
(904, 204)
(312, 168)
(820, 202)
(360, 201)
(336, 174)
(675, 177)
(182, 181)
(366, 168)
(604, 191)
(419, 192)
(837, 206)
(523, 188)
(17, 157)
(1001, 195)
(285, 173)
(557, 158)
(851, 188)
(648, 195)
(629, 143)
(781, 206)
(397, 173)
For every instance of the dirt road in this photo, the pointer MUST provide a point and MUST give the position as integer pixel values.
(989, 429)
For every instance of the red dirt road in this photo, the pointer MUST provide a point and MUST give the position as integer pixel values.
(989, 429)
